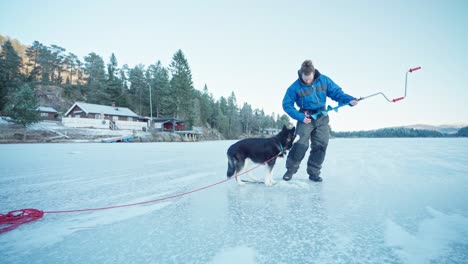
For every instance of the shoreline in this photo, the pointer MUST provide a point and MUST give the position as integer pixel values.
(55, 132)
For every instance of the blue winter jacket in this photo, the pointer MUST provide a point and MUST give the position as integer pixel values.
(312, 97)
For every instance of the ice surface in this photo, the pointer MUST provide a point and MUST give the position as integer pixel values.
(381, 201)
(435, 237)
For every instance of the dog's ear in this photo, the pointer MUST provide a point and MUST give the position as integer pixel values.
(284, 128)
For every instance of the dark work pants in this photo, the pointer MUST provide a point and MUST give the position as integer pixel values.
(318, 133)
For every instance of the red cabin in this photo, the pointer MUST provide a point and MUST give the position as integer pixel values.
(168, 124)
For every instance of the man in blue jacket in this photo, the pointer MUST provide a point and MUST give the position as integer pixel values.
(309, 93)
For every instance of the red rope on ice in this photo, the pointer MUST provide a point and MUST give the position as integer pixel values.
(15, 218)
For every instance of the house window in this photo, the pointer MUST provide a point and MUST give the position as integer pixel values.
(44, 114)
(115, 118)
(97, 116)
(77, 116)
(129, 118)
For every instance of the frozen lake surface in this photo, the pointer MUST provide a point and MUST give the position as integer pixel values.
(381, 201)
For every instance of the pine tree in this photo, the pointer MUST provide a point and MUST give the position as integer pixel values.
(283, 121)
(163, 103)
(10, 63)
(206, 107)
(10, 75)
(57, 60)
(138, 90)
(246, 116)
(233, 116)
(113, 84)
(32, 54)
(80, 71)
(94, 67)
(260, 120)
(45, 60)
(182, 85)
(71, 66)
(221, 122)
(124, 98)
(112, 67)
(22, 108)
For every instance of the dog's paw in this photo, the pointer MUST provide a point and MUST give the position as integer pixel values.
(269, 183)
(240, 183)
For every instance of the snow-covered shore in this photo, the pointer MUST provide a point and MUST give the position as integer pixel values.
(55, 132)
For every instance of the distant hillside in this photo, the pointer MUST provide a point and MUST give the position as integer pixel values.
(389, 133)
(454, 130)
(445, 129)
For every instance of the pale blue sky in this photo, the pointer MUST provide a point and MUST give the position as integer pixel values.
(254, 48)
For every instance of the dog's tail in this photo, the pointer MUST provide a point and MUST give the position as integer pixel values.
(231, 166)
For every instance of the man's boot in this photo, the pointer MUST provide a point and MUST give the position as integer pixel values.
(314, 178)
(287, 176)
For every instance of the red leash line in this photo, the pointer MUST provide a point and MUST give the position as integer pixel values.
(14, 219)
(159, 199)
(140, 203)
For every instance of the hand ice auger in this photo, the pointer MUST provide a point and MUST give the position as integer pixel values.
(330, 108)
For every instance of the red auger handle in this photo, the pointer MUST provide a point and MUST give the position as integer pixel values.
(398, 99)
(415, 69)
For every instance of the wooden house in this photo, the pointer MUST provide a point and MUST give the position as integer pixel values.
(47, 113)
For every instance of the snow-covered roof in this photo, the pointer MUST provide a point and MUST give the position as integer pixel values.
(104, 109)
(46, 109)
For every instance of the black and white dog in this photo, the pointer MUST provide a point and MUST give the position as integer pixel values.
(259, 150)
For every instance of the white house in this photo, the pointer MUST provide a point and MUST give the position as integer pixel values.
(102, 116)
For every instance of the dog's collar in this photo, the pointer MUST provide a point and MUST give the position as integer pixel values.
(281, 148)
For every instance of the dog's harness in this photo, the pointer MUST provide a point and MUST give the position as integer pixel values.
(282, 150)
